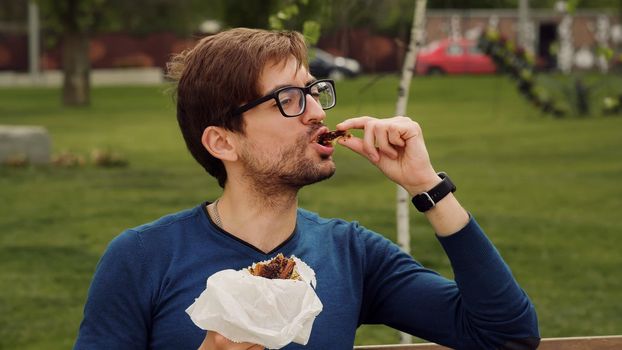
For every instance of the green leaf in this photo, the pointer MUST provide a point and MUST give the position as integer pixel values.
(492, 34)
(610, 102)
(275, 23)
(604, 51)
(311, 31)
(288, 12)
(571, 6)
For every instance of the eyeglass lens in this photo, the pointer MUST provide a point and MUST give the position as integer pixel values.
(292, 100)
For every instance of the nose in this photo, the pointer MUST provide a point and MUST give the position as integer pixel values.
(314, 113)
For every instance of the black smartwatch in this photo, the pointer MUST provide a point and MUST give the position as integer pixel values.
(427, 200)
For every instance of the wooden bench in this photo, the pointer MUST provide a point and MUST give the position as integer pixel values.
(577, 343)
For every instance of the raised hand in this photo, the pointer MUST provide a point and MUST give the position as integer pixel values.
(396, 146)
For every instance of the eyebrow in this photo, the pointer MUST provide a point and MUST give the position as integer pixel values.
(309, 82)
(276, 88)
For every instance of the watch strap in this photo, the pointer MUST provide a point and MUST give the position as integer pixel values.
(427, 200)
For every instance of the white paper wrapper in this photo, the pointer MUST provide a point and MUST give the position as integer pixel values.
(247, 308)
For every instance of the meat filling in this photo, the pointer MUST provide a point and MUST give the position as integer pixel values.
(327, 138)
(279, 267)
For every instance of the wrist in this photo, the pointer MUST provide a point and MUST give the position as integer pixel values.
(423, 186)
(428, 199)
(448, 216)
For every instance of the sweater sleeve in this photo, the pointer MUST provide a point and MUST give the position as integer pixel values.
(117, 310)
(484, 308)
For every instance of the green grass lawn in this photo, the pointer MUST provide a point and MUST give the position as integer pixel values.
(546, 191)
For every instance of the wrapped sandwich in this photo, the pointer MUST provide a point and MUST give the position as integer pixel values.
(279, 267)
(271, 303)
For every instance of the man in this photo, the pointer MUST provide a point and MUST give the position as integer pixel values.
(251, 115)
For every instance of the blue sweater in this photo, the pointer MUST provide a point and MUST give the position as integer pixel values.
(149, 275)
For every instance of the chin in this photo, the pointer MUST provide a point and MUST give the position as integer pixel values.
(328, 170)
(323, 171)
(326, 157)
(328, 163)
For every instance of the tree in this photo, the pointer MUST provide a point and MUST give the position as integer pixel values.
(298, 15)
(77, 19)
(71, 23)
(415, 42)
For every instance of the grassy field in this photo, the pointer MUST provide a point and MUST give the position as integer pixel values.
(547, 192)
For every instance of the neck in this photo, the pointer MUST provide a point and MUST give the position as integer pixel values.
(264, 220)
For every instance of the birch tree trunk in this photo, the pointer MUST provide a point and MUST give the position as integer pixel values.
(602, 38)
(526, 30)
(564, 30)
(455, 27)
(403, 200)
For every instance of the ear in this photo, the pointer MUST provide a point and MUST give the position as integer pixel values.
(219, 143)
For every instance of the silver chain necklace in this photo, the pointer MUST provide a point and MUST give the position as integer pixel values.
(214, 213)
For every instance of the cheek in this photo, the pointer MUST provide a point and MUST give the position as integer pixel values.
(277, 137)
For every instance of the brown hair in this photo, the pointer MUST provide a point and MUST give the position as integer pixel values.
(220, 73)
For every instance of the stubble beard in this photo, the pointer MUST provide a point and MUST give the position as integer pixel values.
(274, 175)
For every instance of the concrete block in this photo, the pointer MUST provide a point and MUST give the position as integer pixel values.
(32, 142)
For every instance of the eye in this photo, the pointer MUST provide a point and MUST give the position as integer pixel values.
(315, 91)
(321, 87)
(288, 96)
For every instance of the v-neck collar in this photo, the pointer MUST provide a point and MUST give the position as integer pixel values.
(256, 250)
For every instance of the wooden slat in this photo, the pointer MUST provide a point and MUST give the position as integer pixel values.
(424, 346)
(612, 342)
(582, 343)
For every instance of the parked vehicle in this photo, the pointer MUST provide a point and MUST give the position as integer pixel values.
(449, 56)
(324, 65)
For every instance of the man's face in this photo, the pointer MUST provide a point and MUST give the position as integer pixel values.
(276, 151)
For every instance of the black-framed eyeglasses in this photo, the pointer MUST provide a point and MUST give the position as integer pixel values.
(292, 100)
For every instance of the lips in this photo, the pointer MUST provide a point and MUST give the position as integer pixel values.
(319, 132)
(325, 151)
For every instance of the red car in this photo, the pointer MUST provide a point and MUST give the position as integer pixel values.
(449, 56)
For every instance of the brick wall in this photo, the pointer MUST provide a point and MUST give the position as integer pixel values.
(376, 53)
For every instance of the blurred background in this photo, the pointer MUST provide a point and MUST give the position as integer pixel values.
(521, 102)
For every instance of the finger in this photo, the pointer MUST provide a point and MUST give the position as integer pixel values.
(369, 142)
(354, 123)
(219, 341)
(246, 346)
(395, 137)
(382, 141)
(355, 144)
